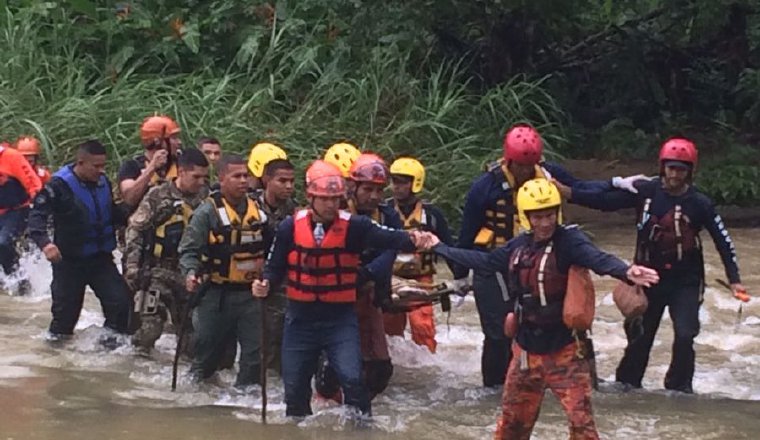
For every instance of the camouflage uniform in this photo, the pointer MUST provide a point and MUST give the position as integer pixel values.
(276, 301)
(146, 272)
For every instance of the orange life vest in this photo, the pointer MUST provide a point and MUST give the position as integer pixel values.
(326, 272)
(18, 181)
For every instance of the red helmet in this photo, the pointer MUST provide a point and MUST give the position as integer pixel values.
(369, 167)
(324, 179)
(680, 149)
(28, 146)
(523, 145)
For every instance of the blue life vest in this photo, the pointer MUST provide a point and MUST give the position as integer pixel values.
(97, 200)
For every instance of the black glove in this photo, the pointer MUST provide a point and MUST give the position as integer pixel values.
(382, 299)
(363, 276)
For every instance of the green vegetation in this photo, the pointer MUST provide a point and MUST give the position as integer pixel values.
(441, 79)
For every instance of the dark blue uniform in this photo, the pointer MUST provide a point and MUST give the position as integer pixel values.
(489, 211)
(667, 240)
(84, 218)
(572, 247)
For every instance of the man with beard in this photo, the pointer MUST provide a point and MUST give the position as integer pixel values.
(671, 213)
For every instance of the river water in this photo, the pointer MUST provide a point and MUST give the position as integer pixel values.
(82, 391)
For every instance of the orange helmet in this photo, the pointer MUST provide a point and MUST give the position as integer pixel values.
(324, 179)
(157, 128)
(28, 146)
(371, 168)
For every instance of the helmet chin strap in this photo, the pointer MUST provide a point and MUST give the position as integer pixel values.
(314, 209)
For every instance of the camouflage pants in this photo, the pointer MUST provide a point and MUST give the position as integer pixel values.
(569, 379)
(171, 303)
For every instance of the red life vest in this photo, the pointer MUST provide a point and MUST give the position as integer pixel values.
(669, 238)
(540, 286)
(325, 272)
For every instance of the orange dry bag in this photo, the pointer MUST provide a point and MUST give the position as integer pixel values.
(510, 325)
(631, 300)
(580, 300)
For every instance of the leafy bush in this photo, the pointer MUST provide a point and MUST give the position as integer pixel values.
(293, 86)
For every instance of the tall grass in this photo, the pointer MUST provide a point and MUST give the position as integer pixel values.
(289, 86)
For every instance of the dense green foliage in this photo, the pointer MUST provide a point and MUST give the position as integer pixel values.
(438, 78)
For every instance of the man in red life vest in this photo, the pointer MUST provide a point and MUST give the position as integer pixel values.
(30, 148)
(19, 183)
(318, 252)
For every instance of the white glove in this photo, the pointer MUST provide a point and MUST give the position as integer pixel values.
(626, 183)
(461, 286)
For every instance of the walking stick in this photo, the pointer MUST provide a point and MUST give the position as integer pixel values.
(191, 303)
(263, 353)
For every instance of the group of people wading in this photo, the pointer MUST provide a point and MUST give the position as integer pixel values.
(213, 242)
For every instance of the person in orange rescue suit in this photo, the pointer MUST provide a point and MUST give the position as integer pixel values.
(671, 214)
(231, 230)
(19, 183)
(547, 352)
(407, 181)
(29, 146)
(489, 220)
(368, 178)
(160, 138)
(317, 252)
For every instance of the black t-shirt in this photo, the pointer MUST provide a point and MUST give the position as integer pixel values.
(131, 169)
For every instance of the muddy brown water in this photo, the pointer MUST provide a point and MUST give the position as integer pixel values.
(84, 392)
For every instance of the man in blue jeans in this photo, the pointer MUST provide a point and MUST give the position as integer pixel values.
(319, 250)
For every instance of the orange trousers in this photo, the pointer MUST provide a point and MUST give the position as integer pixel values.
(566, 375)
(421, 321)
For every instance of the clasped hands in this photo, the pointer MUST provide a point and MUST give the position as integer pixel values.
(423, 241)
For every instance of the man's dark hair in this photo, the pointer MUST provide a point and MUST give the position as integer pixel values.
(191, 157)
(208, 140)
(92, 147)
(278, 164)
(227, 160)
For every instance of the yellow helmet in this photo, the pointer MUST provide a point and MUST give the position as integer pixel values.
(537, 194)
(261, 154)
(343, 156)
(409, 166)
